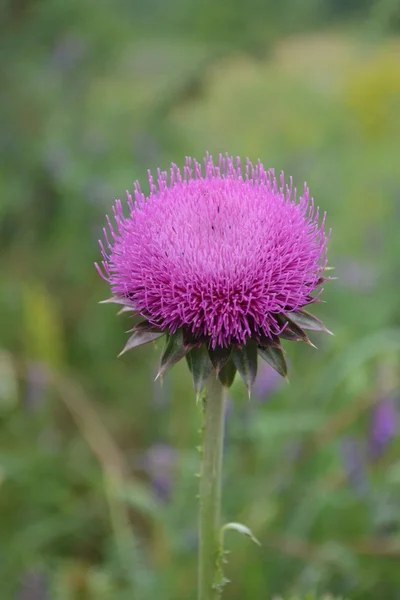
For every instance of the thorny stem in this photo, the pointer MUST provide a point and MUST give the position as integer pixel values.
(210, 489)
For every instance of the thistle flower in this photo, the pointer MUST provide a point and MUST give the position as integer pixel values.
(221, 260)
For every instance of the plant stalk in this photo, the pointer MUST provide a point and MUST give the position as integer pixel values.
(210, 489)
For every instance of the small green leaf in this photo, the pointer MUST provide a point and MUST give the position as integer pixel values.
(173, 352)
(289, 334)
(219, 357)
(200, 366)
(139, 338)
(227, 374)
(126, 309)
(292, 331)
(263, 340)
(118, 300)
(245, 360)
(275, 358)
(306, 320)
(194, 341)
(146, 326)
(240, 528)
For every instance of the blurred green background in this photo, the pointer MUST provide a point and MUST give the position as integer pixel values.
(98, 462)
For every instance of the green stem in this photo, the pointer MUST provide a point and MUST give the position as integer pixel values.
(210, 488)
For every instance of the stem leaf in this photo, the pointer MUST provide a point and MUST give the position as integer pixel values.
(240, 528)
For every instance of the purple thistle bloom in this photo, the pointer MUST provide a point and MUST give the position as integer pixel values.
(384, 426)
(222, 254)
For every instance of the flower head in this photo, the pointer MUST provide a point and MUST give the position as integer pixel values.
(221, 255)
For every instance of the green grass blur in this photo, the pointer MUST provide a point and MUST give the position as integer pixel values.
(98, 462)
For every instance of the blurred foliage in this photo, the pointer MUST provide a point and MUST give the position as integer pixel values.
(97, 462)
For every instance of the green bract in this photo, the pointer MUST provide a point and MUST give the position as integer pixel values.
(226, 362)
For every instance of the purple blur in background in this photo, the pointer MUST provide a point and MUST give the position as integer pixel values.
(68, 52)
(34, 586)
(355, 275)
(36, 386)
(159, 463)
(384, 426)
(355, 463)
(267, 382)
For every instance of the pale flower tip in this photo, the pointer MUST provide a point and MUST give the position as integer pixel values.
(159, 376)
(111, 300)
(124, 349)
(125, 309)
